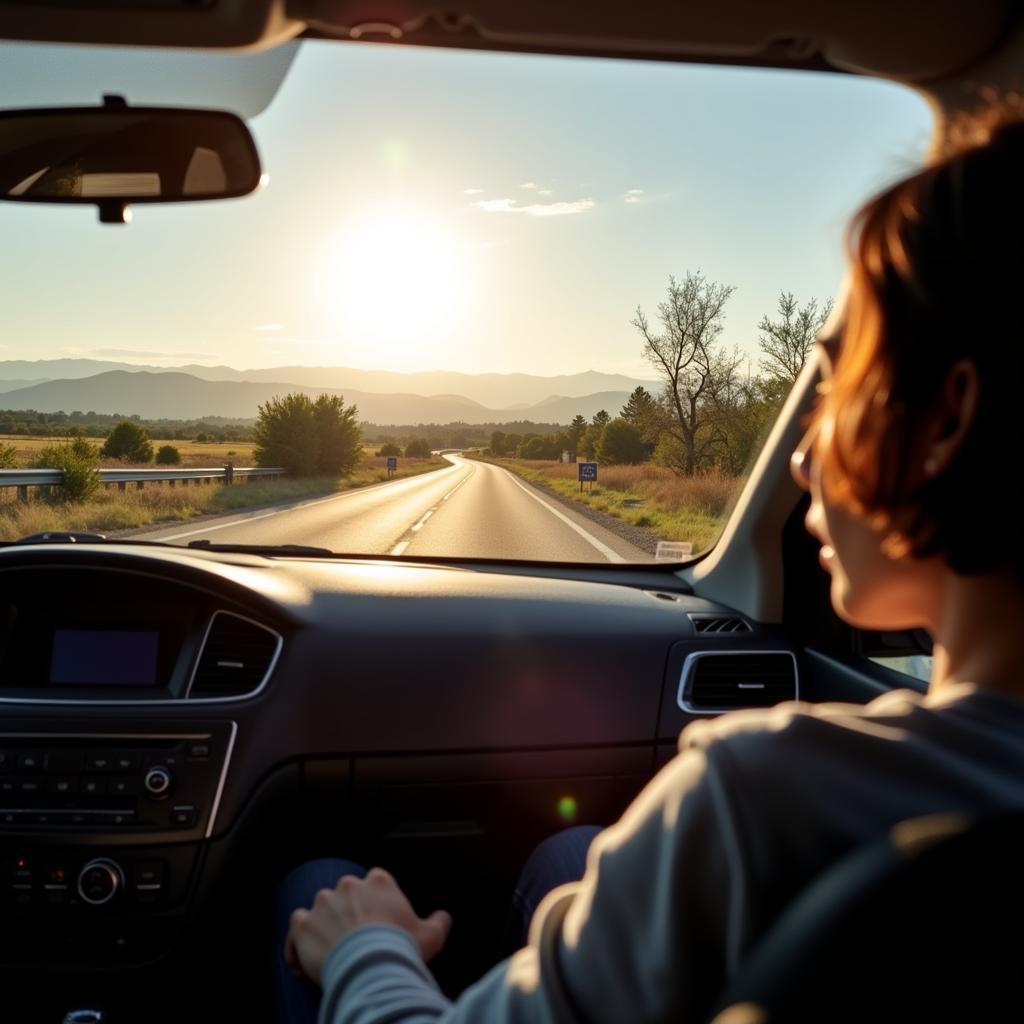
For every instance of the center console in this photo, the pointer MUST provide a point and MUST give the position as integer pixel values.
(100, 834)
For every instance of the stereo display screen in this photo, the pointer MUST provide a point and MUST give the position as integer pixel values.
(104, 657)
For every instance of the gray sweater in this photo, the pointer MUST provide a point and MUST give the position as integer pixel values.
(754, 805)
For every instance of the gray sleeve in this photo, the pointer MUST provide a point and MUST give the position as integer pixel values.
(643, 936)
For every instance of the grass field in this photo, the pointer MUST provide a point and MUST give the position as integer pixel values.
(112, 511)
(208, 453)
(692, 509)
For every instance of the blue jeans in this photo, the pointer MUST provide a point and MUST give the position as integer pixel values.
(558, 859)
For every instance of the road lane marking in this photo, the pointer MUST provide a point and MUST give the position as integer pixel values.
(400, 547)
(307, 504)
(612, 556)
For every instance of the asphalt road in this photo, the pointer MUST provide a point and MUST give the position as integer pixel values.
(470, 509)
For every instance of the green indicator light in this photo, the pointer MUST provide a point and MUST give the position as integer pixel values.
(567, 808)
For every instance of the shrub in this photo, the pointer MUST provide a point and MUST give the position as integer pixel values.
(202, 438)
(7, 456)
(341, 440)
(417, 448)
(128, 442)
(168, 455)
(80, 461)
(388, 449)
(621, 444)
(307, 437)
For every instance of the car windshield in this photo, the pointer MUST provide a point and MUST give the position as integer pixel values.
(492, 306)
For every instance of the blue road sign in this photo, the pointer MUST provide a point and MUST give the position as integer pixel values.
(588, 471)
(392, 462)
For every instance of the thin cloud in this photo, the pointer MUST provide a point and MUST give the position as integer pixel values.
(535, 209)
(268, 328)
(472, 191)
(529, 185)
(544, 192)
(633, 195)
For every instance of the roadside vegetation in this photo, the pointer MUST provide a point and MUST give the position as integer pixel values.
(691, 509)
(673, 461)
(111, 511)
(317, 442)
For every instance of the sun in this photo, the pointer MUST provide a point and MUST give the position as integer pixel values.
(396, 279)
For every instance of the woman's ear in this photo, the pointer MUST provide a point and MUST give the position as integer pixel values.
(951, 417)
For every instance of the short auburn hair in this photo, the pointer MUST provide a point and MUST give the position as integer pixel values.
(937, 276)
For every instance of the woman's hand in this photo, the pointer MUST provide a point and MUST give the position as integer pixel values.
(353, 903)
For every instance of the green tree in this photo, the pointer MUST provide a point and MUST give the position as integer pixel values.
(601, 418)
(577, 429)
(621, 443)
(8, 455)
(417, 448)
(340, 439)
(499, 443)
(590, 442)
(168, 455)
(287, 434)
(79, 460)
(787, 342)
(128, 442)
(695, 373)
(388, 449)
(538, 447)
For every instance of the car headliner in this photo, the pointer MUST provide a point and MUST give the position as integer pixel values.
(914, 41)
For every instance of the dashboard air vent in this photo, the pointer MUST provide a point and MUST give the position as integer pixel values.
(236, 657)
(717, 681)
(709, 623)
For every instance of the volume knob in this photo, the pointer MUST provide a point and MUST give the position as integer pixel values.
(158, 780)
(100, 881)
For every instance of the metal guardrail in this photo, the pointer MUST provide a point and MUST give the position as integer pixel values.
(23, 479)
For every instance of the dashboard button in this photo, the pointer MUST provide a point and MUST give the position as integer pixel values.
(30, 787)
(94, 787)
(150, 872)
(62, 786)
(126, 762)
(184, 816)
(63, 763)
(8, 786)
(30, 761)
(199, 751)
(6, 761)
(122, 787)
(99, 762)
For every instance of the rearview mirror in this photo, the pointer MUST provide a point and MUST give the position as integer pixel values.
(116, 155)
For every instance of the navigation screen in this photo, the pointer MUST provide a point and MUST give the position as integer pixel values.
(104, 657)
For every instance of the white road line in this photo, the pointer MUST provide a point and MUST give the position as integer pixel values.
(612, 556)
(426, 515)
(399, 548)
(306, 504)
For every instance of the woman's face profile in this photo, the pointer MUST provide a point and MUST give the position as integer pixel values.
(870, 589)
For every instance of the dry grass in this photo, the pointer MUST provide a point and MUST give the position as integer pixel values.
(111, 510)
(692, 509)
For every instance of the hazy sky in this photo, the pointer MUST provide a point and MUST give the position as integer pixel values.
(443, 210)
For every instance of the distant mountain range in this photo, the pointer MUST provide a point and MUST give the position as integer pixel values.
(496, 391)
(174, 394)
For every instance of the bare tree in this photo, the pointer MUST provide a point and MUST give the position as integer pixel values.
(787, 342)
(695, 375)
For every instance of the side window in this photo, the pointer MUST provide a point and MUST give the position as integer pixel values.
(906, 651)
(917, 666)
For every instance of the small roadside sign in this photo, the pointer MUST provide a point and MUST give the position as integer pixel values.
(588, 472)
(392, 464)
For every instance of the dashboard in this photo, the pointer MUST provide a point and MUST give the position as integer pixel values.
(164, 709)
